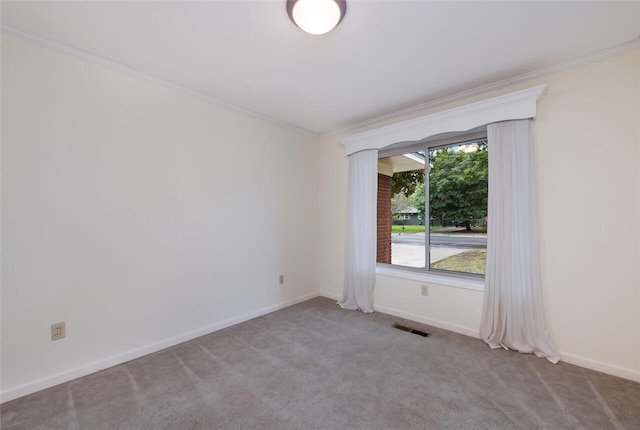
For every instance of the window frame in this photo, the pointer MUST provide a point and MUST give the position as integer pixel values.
(427, 274)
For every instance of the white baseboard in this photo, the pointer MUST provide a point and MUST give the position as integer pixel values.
(428, 321)
(114, 360)
(330, 295)
(599, 366)
(414, 317)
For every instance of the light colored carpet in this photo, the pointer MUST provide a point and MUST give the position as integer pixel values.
(316, 366)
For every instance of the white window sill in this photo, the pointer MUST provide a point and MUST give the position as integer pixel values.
(450, 281)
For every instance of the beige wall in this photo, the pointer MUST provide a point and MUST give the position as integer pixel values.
(139, 215)
(587, 141)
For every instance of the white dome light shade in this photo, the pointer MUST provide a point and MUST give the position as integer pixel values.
(316, 16)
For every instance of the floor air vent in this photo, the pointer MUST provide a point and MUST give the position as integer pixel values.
(411, 330)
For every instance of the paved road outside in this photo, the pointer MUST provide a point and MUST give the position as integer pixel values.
(409, 250)
(457, 240)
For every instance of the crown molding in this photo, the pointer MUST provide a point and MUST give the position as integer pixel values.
(88, 56)
(498, 85)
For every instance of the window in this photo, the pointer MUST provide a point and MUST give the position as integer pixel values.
(472, 117)
(446, 183)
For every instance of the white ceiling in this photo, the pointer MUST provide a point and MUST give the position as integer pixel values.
(384, 57)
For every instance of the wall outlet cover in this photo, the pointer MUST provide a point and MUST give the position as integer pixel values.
(58, 331)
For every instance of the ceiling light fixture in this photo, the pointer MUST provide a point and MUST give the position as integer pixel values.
(316, 16)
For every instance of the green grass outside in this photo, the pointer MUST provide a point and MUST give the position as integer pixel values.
(473, 261)
(407, 229)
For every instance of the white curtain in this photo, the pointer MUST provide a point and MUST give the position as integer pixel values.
(512, 316)
(360, 264)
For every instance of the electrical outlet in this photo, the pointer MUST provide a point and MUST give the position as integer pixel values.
(424, 289)
(58, 331)
(281, 279)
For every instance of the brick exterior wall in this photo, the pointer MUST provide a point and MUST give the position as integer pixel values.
(385, 219)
